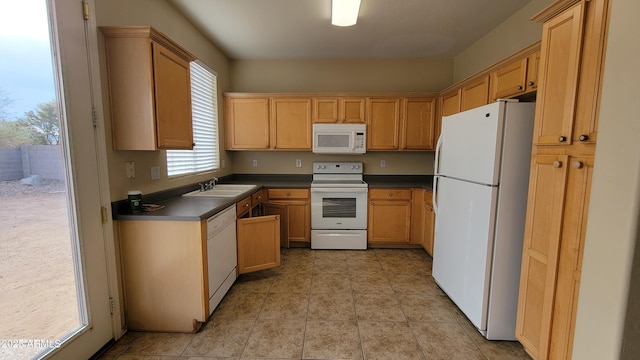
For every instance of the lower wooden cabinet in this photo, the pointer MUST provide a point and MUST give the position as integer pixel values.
(164, 267)
(552, 253)
(298, 210)
(389, 217)
(258, 243)
(428, 222)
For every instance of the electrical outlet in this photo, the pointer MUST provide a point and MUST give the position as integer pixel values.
(155, 172)
(298, 163)
(383, 163)
(224, 163)
(254, 163)
(130, 169)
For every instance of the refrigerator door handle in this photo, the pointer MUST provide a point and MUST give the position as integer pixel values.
(434, 195)
(436, 166)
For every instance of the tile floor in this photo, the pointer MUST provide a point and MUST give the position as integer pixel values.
(326, 304)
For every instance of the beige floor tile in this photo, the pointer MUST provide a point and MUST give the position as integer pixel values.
(399, 267)
(146, 357)
(364, 266)
(276, 339)
(360, 255)
(378, 307)
(391, 254)
(206, 358)
(370, 283)
(291, 283)
(259, 282)
(328, 306)
(124, 342)
(296, 265)
(334, 266)
(408, 284)
(446, 341)
(330, 283)
(426, 308)
(332, 340)
(495, 350)
(221, 338)
(388, 340)
(160, 344)
(240, 305)
(285, 306)
(296, 253)
(329, 254)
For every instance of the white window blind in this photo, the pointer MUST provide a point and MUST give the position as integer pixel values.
(204, 107)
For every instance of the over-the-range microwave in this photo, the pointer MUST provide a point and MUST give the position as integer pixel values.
(339, 138)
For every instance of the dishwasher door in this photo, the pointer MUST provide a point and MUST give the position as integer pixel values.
(221, 254)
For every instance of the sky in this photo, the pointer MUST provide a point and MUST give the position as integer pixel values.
(26, 71)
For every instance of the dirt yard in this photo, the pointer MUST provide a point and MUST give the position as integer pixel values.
(37, 283)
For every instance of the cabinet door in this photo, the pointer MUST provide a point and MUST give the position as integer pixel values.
(509, 80)
(389, 221)
(547, 187)
(428, 222)
(352, 110)
(172, 87)
(533, 64)
(247, 125)
(325, 110)
(383, 123)
(291, 124)
(475, 94)
(300, 221)
(587, 107)
(258, 243)
(451, 103)
(559, 65)
(418, 123)
(570, 258)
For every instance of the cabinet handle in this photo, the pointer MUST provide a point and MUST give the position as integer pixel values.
(390, 194)
(583, 137)
(371, 203)
(557, 164)
(246, 205)
(531, 83)
(577, 164)
(562, 139)
(288, 194)
(520, 87)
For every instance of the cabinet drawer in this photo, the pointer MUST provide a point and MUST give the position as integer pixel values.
(256, 198)
(390, 194)
(285, 194)
(243, 206)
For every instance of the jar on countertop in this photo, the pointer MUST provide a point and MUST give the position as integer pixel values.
(135, 201)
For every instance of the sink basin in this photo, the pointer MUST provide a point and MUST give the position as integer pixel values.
(223, 190)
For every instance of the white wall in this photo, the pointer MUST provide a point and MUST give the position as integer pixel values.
(515, 33)
(612, 229)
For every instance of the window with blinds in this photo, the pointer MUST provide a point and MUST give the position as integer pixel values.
(204, 108)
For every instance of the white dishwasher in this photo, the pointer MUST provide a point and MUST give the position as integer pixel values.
(221, 254)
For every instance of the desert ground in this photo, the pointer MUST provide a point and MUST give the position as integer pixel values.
(37, 279)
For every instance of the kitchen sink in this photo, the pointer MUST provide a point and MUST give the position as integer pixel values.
(223, 190)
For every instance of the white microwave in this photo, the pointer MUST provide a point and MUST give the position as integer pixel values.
(339, 138)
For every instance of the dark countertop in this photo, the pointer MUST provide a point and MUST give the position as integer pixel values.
(193, 208)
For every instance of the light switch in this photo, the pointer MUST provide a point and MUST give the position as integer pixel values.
(383, 163)
(254, 163)
(298, 163)
(130, 169)
(155, 172)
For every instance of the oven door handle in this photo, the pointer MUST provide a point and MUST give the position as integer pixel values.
(339, 190)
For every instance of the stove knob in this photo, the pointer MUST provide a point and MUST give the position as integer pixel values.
(353, 167)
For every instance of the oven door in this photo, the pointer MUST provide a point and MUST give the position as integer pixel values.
(339, 208)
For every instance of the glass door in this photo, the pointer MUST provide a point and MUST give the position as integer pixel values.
(53, 267)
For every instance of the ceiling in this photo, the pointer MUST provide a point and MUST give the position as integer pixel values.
(301, 29)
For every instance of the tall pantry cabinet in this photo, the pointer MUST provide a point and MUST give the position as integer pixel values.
(565, 133)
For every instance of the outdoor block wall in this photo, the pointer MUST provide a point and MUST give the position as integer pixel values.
(20, 162)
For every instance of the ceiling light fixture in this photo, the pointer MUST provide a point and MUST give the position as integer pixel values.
(344, 12)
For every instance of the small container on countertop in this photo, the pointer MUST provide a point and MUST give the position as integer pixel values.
(135, 201)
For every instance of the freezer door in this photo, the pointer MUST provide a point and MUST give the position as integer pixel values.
(463, 245)
(470, 144)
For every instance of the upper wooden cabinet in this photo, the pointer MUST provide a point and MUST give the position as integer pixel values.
(291, 123)
(339, 109)
(475, 93)
(516, 78)
(560, 64)
(383, 123)
(417, 126)
(149, 89)
(266, 123)
(247, 123)
(405, 123)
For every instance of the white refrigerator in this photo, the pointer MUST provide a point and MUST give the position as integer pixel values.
(480, 188)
